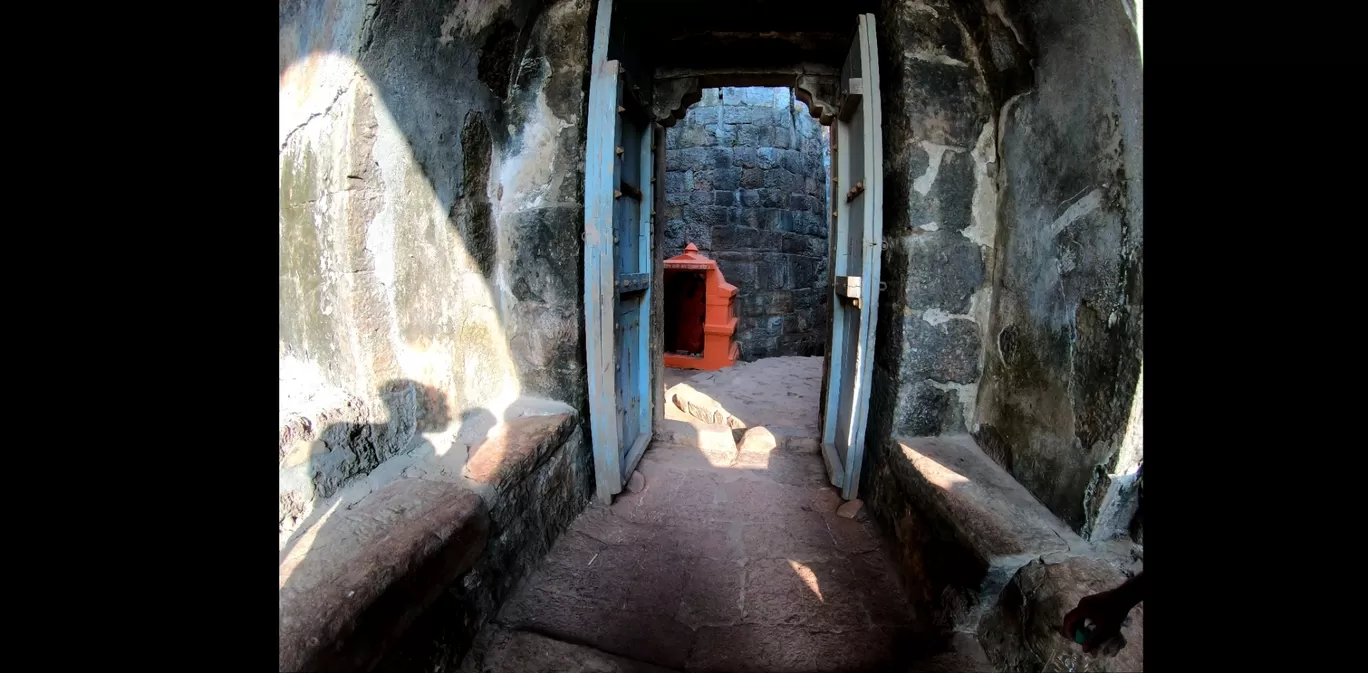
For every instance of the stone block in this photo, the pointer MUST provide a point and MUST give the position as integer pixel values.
(948, 95)
(779, 180)
(725, 199)
(947, 351)
(772, 272)
(722, 157)
(757, 96)
(798, 202)
(744, 157)
(1025, 621)
(949, 200)
(817, 224)
(773, 198)
(782, 136)
(714, 439)
(691, 158)
(963, 526)
(701, 114)
(733, 238)
(514, 448)
(750, 198)
(741, 274)
(752, 178)
(803, 271)
(699, 234)
(365, 574)
(767, 158)
(768, 239)
(709, 216)
(926, 410)
(793, 244)
(699, 181)
(726, 134)
(944, 270)
(738, 115)
(758, 347)
(726, 178)
(757, 440)
(753, 304)
(850, 509)
(696, 136)
(929, 36)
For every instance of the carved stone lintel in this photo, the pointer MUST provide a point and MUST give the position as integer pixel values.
(821, 94)
(673, 98)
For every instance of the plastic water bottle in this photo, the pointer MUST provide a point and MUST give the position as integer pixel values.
(1082, 631)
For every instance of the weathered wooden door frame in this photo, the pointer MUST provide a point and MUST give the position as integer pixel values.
(858, 291)
(613, 111)
(826, 96)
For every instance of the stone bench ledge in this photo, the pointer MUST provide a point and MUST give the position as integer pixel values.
(515, 448)
(993, 513)
(1032, 568)
(352, 584)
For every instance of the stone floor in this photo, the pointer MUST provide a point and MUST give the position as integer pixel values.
(724, 559)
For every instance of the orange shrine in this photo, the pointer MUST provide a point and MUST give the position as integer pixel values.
(700, 315)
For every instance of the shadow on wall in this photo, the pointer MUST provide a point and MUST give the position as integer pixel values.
(340, 453)
(473, 89)
(330, 548)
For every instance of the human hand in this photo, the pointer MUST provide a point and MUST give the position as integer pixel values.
(1104, 613)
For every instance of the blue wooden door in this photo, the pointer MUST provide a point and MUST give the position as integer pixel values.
(857, 226)
(617, 267)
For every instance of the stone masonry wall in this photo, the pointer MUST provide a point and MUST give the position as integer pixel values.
(1062, 408)
(939, 225)
(431, 175)
(1013, 308)
(746, 182)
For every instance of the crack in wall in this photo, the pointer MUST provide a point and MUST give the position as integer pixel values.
(286, 141)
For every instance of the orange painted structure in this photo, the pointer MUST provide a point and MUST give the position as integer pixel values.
(700, 313)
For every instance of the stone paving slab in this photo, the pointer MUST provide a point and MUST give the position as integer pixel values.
(502, 651)
(729, 558)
